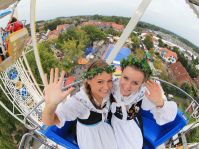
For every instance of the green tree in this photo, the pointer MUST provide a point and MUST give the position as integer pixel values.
(9, 127)
(74, 34)
(94, 33)
(159, 36)
(72, 50)
(148, 41)
(193, 72)
(164, 75)
(170, 90)
(136, 41)
(152, 52)
(195, 61)
(31, 60)
(139, 53)
(158, 64)
(68, 35)
(51, 25)
(76, 39)
(48, 59)
(161, 43)
(193, 135)
(187, 88)
(112, 32)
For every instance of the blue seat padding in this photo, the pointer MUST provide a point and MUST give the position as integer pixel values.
(63, 136)
(155, 135)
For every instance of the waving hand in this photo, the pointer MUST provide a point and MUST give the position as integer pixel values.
(53, 89)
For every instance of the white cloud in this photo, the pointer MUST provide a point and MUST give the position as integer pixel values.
(174, 15)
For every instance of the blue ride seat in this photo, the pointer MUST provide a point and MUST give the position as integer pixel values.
(65, 136)
(155, 135)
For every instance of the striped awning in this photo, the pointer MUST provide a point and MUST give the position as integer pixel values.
(5, 12)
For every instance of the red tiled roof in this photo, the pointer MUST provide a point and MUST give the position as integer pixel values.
(178, 68)
(169, 53)
(105, 24)
(69, 80)
(62, 27)
(180, 73)
(117, 26)
(54, 32)
(183, 78)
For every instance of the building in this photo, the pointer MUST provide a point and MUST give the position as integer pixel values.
(60, 29)
(105, 25)
(52, 34)
(63, 27)
(168, 55)
(155, 41)
(190, 55)
(179, 73)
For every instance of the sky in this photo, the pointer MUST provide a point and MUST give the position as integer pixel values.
(173, 15)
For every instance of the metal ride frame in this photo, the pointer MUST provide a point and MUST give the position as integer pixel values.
(18, 106)
(29, 115)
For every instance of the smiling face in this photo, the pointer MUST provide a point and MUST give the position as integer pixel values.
(131, 80)
(100, 85)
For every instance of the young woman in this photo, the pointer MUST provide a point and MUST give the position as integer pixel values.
(90, 106)
(131, 92)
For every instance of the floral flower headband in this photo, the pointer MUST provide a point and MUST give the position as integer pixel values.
(95, 71)
(139, 63)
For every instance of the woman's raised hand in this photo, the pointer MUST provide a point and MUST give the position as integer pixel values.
(155, 93)
(53, 89)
